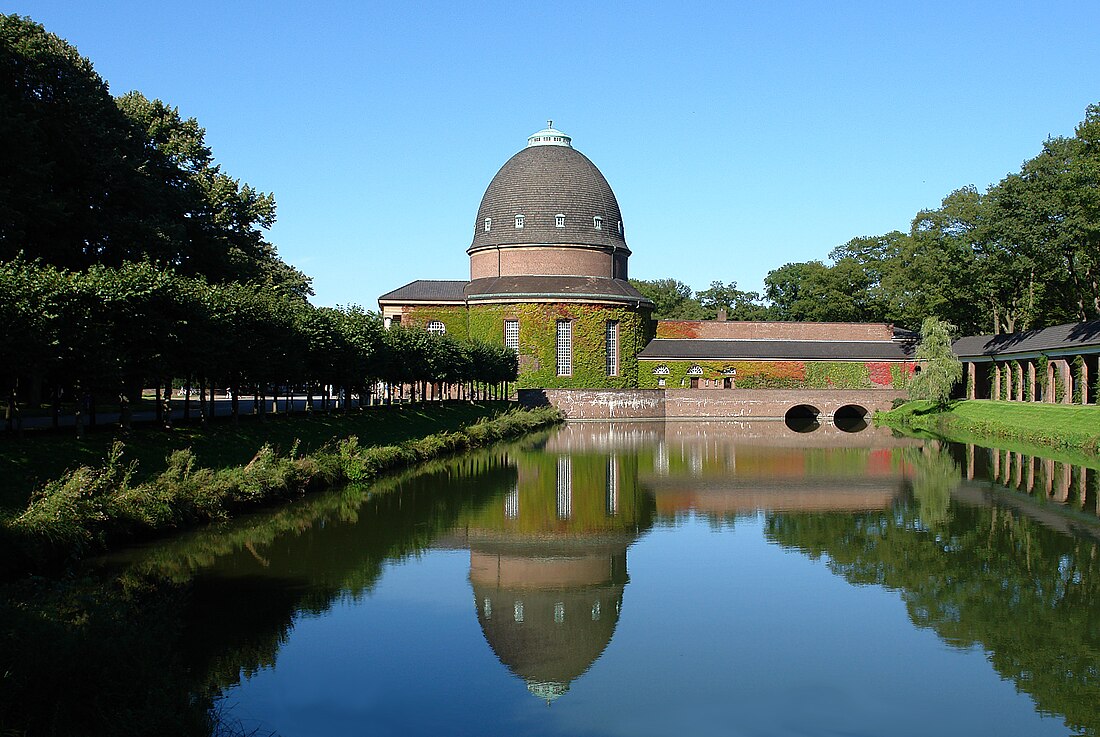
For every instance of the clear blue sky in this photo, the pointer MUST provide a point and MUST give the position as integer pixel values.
(737, 136)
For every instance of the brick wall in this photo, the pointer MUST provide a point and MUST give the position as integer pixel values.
(542, 261)
(733, 330)
(683, 404)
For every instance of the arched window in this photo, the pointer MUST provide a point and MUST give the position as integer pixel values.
(661, 370)
(695, 370)
(435, 327)
(559, 221)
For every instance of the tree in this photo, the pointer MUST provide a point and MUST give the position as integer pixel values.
(738, 305)
(673, 299)
(940, 370)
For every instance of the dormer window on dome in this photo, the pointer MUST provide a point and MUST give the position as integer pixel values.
(597, 222)
(488, 224)
(559, 221)
(519, 222)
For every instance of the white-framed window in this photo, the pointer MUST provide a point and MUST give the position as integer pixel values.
(511, 334)
(519, 222)
(597, 222)
(565, 348)
(435, 327)
(661, 370)
(661, 382)
(488, 224)
(611, 343)
(559, 221)
(620, 227)
(695, 370)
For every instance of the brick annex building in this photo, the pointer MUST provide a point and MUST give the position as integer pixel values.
(548, 277)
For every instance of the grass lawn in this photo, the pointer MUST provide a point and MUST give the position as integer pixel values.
(1067, 426)
(27, 463)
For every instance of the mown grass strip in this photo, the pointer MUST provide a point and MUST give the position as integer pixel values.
(1060, 426)
(92, 508)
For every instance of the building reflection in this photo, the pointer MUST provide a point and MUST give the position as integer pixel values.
(548, 558)
(548, 562)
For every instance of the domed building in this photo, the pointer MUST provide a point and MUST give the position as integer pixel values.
(548, 274)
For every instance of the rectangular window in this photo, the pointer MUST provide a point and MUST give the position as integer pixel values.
(612, 343)
(565, 348)
(511, 334)
(559, 221)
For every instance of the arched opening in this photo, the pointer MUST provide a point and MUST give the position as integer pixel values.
(802, 418)
(851, 418)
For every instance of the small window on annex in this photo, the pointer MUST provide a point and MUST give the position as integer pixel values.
(519, 221)
(565, 348)
(511, 334)
(435, 327)
(559, 221)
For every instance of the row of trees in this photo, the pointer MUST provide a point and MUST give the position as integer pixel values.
(129, 259)
(1023, 254)
(112, 331)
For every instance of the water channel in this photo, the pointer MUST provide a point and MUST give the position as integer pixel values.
(653, 579)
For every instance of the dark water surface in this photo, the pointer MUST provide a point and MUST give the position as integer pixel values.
(657, 579)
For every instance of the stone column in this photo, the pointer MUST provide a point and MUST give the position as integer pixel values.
(1019, 382)
(1048, 388)
(1084, 381)
(971, 381)
(996, 381)
(1007, 377)
(1067, 381)
(1031, 380)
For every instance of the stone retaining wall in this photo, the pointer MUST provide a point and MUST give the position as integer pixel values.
(686, 404)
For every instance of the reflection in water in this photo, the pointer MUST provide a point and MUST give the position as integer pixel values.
(543, 530)
(548, 581)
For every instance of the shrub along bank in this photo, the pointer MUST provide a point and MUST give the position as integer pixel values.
(92, 508)
(1063, 426)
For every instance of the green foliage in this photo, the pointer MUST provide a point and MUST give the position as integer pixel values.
(1078, 368)
(92, 508)
(940, 369)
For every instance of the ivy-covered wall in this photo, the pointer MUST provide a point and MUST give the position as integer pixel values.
(453, 317)
(781, 374)
(538, 339)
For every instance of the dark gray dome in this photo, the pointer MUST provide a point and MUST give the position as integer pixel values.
(541, 183)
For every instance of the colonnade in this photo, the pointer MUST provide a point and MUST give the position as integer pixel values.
(1063, 379)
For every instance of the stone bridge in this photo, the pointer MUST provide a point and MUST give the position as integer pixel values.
(695, 404)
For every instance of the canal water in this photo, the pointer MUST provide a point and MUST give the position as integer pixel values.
(655, 579)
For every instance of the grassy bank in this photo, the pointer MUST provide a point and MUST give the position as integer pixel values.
(1061, 426)
(93, 507)
(31, 461)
